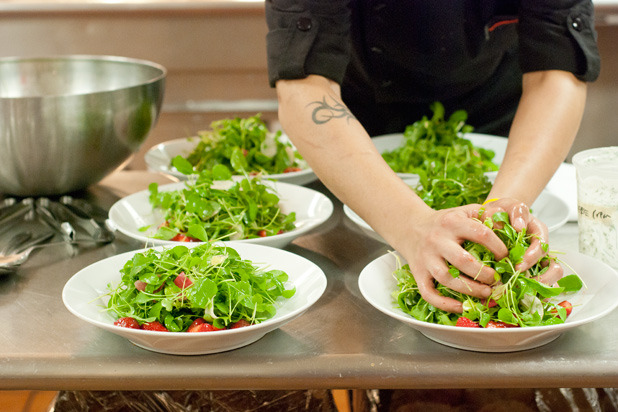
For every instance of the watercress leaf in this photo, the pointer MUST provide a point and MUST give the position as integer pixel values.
(202, 292)
(516, 253)
(506, 316)
(221, 172)
(182, 165)
(571, 283)
(197, 231)
(542, 289)
(502, 217)
(238, 160)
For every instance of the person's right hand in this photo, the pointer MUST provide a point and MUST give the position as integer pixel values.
(436, 238)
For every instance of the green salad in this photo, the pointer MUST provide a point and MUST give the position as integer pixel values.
(518, 299)
(436, 145)
(245, 146)
(204, 288)
(212, 206)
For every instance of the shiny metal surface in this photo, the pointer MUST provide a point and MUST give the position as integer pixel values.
(341, 342)
(66, 122)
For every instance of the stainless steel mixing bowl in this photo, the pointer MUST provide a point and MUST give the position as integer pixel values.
(66, 122)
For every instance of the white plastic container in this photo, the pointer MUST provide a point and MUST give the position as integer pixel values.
(597, 203)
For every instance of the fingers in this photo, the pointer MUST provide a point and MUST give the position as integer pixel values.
(552, 275)
(441, 240)
(429, 292)
(521, 218)
(535, 251)
(519, 212)
(474, 231)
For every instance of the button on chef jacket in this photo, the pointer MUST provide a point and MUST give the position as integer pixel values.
(393, 58)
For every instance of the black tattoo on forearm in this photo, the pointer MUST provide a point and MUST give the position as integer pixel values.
(324, 110)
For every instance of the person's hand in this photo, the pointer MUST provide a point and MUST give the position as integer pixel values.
(520, 218)
(437, 239)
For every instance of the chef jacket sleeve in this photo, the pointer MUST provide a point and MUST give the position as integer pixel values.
(559, 35)
(307, 37)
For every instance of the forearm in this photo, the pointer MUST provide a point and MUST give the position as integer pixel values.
(543, 131)
(342, 155)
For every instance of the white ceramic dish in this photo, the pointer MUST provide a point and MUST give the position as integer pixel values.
(549, 208)
(133, 212)
(80, 296)
(389, 142)
(159, 157)
(376, 284)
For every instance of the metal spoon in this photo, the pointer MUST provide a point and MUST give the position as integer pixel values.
(22, 245)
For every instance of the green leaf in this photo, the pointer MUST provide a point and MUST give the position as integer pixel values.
(182, 165)
(571, 283)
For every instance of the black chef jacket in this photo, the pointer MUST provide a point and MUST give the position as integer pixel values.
(394, 57)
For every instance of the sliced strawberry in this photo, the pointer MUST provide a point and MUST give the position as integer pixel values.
(182, 281)
(291, 169)
(262, 233)
(489, 304)
(466, 323)
(202, 327)
(156, 326)
(566, 305)
(181, 237)
(240, 324)
(197, 322)
(127, 322)
(492, 324)
(140, 285)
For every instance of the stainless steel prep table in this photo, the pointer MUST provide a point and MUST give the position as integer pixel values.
(341, 342)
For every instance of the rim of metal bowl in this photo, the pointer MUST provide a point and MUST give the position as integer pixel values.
(93, 57)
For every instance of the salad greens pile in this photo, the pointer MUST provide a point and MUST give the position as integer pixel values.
(442, 192)
(244, 146)
(518, 299)
(436, 146)
(214, 207)
(216, 285)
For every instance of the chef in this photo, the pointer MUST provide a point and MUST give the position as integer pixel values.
(348, 70)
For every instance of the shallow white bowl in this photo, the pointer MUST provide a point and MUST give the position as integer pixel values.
(80, 296)
(312, 209)
(549, 208)
(390, 142)
(159, 157)
(376, 284)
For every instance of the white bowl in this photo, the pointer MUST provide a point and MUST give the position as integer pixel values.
(390, 142)
(312, 209)
(80, 296)
(159, 158)
(597, 299)
(549, 208)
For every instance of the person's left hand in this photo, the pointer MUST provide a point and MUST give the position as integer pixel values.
(520, 218)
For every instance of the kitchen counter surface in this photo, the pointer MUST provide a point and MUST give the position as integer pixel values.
(341, 342)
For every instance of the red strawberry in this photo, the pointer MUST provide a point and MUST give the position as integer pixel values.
(466, 323)
(492, 324)
(182, 281)
(262, 233)
(240, 324)
(181, 237)
(566, 305)
(127, 323)
(197, 322)
(489, 304)
(202, 327)
(140, 285)
(291, 169)
(156, 326)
